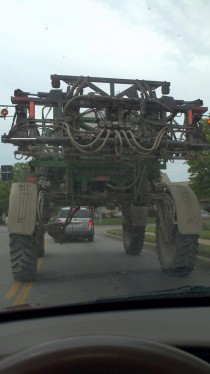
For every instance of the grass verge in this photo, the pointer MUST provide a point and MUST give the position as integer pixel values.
(203, 250)
(108, 221)
(118, 221)
(205, 234)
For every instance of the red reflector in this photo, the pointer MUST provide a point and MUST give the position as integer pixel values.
(31, 110)
(32, 178)
(190, 117)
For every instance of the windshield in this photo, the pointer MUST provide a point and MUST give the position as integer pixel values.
(78, 214)
(104, 109)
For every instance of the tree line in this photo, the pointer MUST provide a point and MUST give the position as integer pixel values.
(19, 170)
(199, 169)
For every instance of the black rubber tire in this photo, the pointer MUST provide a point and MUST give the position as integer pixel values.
(39, 241)
(23, 257)
(91, 238)
(133, 239)
(178, 256)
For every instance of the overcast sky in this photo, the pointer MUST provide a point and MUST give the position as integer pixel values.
(144, 39)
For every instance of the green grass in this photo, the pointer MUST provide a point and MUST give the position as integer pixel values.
(118, 232)
(118, 221)
(206, 225)
(204, 250)
(151, 220)
(149, 238)
(150, 228)
(205, 234)
(108, 221)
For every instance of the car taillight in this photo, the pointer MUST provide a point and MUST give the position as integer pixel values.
(58, 220)
(90, 223)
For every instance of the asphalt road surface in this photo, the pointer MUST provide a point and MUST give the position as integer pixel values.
(79, 272)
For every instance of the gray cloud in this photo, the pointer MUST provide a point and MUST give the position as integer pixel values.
(145, 39)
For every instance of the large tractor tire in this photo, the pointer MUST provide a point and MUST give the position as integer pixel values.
(23, 257)
(177, 256)
(133, 239)
(39, 241)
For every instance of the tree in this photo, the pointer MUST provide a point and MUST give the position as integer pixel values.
(5, 185)
(4, 196)
(19, 171)
(199, 169)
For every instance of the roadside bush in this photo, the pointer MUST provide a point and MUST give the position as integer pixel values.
(206, 225)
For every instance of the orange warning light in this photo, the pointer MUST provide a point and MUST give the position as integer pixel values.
(208, 121)
(4, 112)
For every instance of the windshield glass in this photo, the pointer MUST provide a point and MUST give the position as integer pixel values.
(104, 105)
(80, 213)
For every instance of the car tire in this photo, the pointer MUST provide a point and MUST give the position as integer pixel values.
(91, 238)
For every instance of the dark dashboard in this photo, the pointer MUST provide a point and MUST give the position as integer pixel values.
(185, 327)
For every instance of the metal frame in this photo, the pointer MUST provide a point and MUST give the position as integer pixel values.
(135, 130)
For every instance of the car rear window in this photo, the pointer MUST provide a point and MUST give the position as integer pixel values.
(81, 213)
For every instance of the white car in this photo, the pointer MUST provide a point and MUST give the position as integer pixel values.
(81, 225)
(205, 215)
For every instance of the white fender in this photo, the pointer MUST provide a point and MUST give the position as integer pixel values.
(187, 209)
(22, 208)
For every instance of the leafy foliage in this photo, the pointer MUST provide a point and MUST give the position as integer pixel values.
(199, 169)
(18, 176)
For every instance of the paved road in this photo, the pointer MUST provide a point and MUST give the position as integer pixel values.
(82, 271)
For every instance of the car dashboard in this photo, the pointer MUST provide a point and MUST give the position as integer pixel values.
(184, 326)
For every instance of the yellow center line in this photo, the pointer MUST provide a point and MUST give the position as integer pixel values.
(40, 263)
(13, 290)
(20, 299)
(23, 294)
